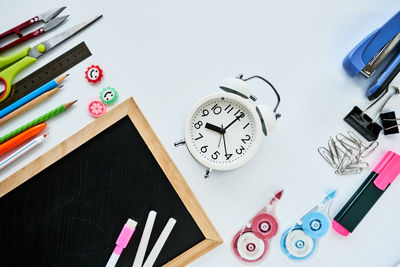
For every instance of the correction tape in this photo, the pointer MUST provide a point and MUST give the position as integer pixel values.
(94, 74)
(108, 95)
(298, 241)
(96, 108)
(251, 243)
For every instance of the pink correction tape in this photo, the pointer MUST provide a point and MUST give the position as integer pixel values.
(251, 243)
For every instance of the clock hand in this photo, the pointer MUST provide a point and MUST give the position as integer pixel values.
(235, 120)
(214, 128)
(219, 143)
(223, 138)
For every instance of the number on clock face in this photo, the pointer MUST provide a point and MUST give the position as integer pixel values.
(222, 131)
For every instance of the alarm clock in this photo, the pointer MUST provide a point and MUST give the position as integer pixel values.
(223, 131)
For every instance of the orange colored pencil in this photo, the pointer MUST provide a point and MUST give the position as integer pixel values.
(22, 137)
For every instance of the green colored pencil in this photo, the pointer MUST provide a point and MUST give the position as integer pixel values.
(36, 121)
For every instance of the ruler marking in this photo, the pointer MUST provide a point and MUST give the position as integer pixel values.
(50, 71)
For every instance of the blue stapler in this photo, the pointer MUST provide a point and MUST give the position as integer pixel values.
(382, 45)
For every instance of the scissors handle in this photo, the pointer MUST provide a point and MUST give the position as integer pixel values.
(9, 60)
(23, 39)
(17, 29)
(22, 60)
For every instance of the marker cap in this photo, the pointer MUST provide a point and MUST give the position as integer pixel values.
(388, 169)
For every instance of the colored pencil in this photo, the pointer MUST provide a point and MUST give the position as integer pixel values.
(22, 137)
(29, 97)
(36, 121)
(20, 152)
(28, 105)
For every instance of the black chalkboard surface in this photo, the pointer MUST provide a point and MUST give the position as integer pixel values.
(71, 213)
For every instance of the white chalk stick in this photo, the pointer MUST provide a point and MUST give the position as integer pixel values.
(144, 239)
(112, 261)
(151, 259)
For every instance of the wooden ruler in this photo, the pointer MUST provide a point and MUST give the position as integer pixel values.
(47, 73)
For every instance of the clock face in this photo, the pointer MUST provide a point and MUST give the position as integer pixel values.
(223, 131)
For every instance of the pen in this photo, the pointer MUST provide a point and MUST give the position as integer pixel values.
(22, 137)
(20, 152)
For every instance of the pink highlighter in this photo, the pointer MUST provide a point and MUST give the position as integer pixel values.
(122, 242)
(367, 194)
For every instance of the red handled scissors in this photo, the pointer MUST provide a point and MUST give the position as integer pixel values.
(13, 64)
(49, 17)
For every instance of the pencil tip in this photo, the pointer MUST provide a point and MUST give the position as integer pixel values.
(61, 78)
(60, 86)
(69, 104)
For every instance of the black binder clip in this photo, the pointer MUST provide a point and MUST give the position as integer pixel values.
(389, 123)
(363, 123)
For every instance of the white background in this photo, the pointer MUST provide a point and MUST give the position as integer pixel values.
(168, 54)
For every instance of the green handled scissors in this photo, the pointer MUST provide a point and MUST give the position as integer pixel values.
(13, 64)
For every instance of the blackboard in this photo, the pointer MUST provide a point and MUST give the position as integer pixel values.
(69, 212)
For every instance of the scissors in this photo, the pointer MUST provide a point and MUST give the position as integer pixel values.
(49, 17)
(13, 64)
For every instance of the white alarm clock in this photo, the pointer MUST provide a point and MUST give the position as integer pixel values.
(224, 130)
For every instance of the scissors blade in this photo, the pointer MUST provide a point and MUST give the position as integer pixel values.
(54, 23)
(45, 17)
(59, 38)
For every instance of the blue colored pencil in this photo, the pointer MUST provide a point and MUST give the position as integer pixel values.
(29, 97)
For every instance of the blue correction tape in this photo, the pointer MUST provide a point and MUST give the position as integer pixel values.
(315, 224)
(296, 244)
(300, 239)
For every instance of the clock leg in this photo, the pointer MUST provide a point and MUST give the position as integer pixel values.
(208, 172)
(180, 143)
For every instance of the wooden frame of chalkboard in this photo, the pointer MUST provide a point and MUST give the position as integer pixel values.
(130, 109)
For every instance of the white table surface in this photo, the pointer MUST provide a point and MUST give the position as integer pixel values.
(168, 54)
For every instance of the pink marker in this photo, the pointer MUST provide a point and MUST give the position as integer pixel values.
(122, 242)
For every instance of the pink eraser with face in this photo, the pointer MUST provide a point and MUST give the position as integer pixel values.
(97, 108)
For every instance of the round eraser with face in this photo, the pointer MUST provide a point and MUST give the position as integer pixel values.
(97, 108)
(108, 95)
(94, 74)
